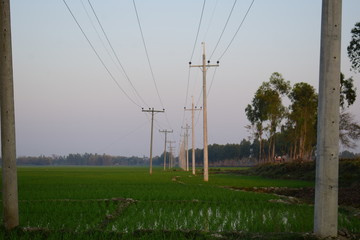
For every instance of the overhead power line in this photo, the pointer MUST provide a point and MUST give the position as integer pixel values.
(97, 54)
(147, 54)
(227, 21)
(114, 52)
(247, 12)
(211, 20)
(192, 54)
(198, 30)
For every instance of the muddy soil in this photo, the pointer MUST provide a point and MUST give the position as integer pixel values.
(348, 196)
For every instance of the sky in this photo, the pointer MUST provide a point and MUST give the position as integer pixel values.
(67, 102)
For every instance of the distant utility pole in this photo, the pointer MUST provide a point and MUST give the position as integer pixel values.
(204, 68)
(327, 162)
(171, 158)
(152, 127)
(182, 153)
(193, 109)
(165, 132)
(186, 142)
(8, 143)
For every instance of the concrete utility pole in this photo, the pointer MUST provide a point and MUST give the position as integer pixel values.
(204, 67)
(186, 142)
(171, 149)
(8, 143)
(152, 127)
(193, 109)
(165, 132)
(182, 153)
(327, 162)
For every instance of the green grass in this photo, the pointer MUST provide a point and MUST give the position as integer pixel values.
(73, 202)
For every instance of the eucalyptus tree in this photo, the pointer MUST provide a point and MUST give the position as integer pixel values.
(267, 107)
(255, 113)
(276, 111)
(302, 120)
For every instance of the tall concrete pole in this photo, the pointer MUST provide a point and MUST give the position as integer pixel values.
(8, 143)
(205, 136)
(171, 159)
(151, 141)
(193, 109)
(327, 161)
(204, 67)
(165, 132)
(152, 131)
(193, 135)
(187, 148)
(186, 143)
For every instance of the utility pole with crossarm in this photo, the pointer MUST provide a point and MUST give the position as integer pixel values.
(171, 150)
(186, 143)
(193, 109)
(152, 127)
(165, 132)
(204, 68)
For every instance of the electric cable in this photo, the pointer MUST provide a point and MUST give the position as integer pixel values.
(246, 14)
(98, 56)
(211, 19)
(198, 30)
(227, 21)
(149, 62)
(147, 54)
(192, 54)
(114, 52)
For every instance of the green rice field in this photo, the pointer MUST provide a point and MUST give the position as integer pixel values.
(128, 203)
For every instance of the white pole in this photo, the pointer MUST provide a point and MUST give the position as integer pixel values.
(327, 161)
(8, 143)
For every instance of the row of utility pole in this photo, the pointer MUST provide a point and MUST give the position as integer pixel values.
(193, 109)
(326, 190)
(165, 132)
(186, 144)
(171, 157)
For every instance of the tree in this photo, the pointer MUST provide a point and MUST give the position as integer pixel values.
(349, 128)
(267, 106)
(302, 120)
(347, 91)
(256, 115)
(276, 111)
(354, 48)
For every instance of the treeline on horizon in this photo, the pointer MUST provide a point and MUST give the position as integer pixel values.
(243, 154)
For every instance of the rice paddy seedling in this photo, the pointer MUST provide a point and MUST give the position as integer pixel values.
(106, 202)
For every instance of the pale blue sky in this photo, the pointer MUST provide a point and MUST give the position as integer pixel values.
(67, 103)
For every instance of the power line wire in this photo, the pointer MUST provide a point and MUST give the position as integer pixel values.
(147, 54)
(192, 54)
(114, 52)
(211, 19)
(198, 30)
(227, 21)
(149, 62)
(211, 83)
(247, 12)
(97, 54)
(104, 45)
